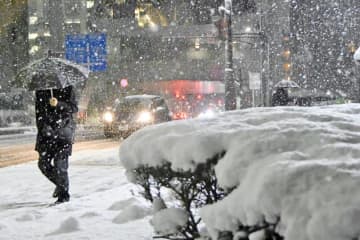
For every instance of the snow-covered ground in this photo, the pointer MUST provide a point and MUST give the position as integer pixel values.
(102, 205)
(299, 165)
(296, 165)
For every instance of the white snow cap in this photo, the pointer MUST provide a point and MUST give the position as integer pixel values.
(299, 166)
(259, 235)
(170, 220)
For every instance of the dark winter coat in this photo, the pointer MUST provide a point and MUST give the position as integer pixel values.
(56, 126)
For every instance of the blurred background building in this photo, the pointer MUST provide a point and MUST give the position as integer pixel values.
(323, 38)
(13, 39)
(50, 21)
(309, 42)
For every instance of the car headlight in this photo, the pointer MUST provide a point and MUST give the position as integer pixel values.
(207, 114)
(145, 117)
(108, 117)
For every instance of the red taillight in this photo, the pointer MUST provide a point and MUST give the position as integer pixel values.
(180, 115)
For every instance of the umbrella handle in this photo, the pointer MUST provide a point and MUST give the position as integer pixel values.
(51, 92)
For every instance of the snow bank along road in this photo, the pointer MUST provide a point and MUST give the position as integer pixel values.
(20, 153)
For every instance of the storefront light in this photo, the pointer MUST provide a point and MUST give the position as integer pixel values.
(72, 21)
(33, 36)
(47, 34)
(286, 53)
(33, 20)
(248, 29)
(197, 44)
(89, 4)
(34, 49)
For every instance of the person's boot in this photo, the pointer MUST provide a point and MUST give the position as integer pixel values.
(63, 196)
(56, 192)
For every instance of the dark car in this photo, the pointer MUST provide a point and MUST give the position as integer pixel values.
(16, 108)
(287, 92)
(134, 112)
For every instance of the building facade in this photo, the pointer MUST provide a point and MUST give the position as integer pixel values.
(146, 40)
(324, 36)
(308, 41)
(13, 40)
(50, 21)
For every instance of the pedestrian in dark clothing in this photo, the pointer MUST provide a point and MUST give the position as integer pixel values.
(280, 97)
(56, 128)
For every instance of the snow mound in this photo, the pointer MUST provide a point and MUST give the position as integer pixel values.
(67, 226)
(120, 205)
(158, 205)
(25, 218)
(131, 213)
(295, 167)
(169, 221)
(90, 215)
(2, 226)
(259, 235)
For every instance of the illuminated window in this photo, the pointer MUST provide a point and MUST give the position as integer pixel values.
(33, 36)
(33, 20)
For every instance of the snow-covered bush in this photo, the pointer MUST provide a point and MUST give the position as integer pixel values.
(191, 190)
(287, 173)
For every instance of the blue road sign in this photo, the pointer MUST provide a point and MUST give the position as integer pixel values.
(76, 48)
(97, 52)
(89, 50)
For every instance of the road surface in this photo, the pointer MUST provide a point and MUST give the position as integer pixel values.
(15, 136)
(23, 150)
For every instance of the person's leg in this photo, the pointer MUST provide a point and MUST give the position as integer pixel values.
(61, 164)
(45, 166)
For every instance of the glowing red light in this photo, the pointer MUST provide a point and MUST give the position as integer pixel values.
(124, 82)
(199, 97)
(180, 115)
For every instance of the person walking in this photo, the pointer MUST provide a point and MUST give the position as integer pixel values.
(56, 128)
(280, 97)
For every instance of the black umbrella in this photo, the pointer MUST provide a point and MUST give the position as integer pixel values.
(49, 73)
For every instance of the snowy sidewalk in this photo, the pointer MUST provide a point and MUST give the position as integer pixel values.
(101, 206)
